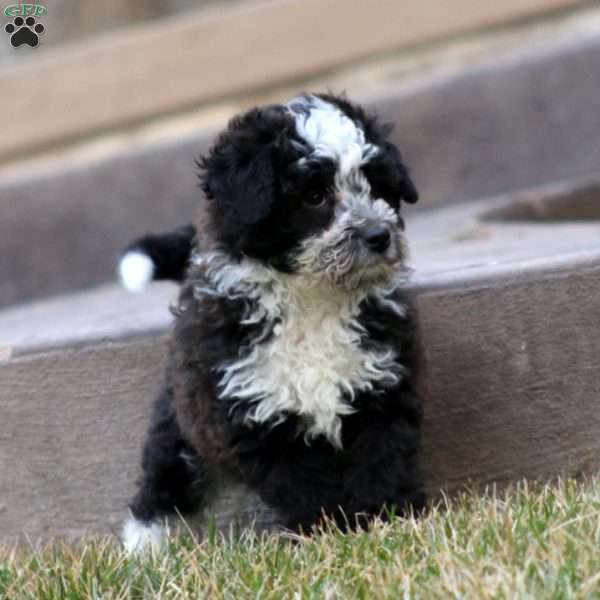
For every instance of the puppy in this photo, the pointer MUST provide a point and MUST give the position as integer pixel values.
(291, 358)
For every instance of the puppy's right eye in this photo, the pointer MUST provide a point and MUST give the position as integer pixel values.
(315, 199)
(319, 197)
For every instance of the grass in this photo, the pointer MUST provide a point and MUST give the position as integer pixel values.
(527, 543)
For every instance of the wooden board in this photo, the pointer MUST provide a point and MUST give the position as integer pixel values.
(140, 72)
(465, 136)
(508, 375)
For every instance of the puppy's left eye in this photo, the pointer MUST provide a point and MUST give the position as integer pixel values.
(316, 199)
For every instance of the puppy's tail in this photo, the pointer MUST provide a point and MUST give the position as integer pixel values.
(157, 256)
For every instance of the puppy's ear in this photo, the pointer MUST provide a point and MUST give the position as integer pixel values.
(241, 185)
(408, 190)
(388, 175)
(239, 174)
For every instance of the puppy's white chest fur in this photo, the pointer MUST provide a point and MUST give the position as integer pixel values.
(311, 359)
(312, 363)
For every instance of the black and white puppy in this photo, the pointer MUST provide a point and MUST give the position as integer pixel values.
(291, 359)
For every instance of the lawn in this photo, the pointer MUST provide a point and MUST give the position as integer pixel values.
(526, 543)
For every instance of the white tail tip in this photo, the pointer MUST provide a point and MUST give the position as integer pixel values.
(136, 271)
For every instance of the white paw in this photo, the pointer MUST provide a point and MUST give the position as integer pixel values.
(139, 537)
(136, 271)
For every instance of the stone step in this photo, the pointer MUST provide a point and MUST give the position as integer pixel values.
(136, 73)
(507, 291)
(522, 120)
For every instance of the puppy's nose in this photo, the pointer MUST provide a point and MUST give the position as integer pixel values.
(377, 238)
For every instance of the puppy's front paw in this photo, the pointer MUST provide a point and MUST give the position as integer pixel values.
(140, 537)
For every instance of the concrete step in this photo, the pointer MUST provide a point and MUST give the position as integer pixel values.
(522, 120)
(507, 291)
(139, 72)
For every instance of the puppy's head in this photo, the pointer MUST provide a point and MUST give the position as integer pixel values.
(312, 187)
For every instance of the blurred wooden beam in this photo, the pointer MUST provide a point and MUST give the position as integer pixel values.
(137, 73)
(508, 377)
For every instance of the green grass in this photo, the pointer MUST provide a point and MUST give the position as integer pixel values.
(537, 544)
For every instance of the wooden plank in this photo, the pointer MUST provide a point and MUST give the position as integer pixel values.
(106, 312)
(510, 377)
(72, 425)
(140, 72)
(465, 136)
(507, 375)
(507, 371)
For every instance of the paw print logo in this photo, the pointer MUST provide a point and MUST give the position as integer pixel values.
(24, 31)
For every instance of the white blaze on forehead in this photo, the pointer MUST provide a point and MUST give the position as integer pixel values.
(330, 132)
